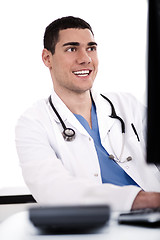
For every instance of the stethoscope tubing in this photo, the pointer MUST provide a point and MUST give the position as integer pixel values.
(56, 112)
(114, 115)
(69, 133)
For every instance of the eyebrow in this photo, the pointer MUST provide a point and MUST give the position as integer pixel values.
(78, 44)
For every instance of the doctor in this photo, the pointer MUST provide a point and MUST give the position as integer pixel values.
(73, 149)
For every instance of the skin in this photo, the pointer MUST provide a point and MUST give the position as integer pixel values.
(146, 200)
(75, 51)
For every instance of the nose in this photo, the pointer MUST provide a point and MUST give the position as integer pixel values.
(83, 57)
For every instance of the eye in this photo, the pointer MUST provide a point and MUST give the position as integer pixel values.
(71, 49)
(91, 49)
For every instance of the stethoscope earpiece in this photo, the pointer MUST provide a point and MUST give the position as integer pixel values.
(111, 156)
(129, 158)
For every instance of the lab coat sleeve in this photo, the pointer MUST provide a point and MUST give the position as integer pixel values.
(48, 180)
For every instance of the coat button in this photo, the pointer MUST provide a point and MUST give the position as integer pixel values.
(96, 174)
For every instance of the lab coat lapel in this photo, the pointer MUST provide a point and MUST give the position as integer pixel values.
(108, 125)
(67, 116)
(103, 109)
(105, 122)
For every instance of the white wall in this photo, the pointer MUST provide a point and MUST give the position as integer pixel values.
(120, 30)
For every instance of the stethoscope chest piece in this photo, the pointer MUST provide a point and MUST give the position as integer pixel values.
(68, 134)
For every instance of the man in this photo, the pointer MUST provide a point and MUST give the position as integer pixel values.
(100, 163)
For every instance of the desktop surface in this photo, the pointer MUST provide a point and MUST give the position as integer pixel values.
(19, 227)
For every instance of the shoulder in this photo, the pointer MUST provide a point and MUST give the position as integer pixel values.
(35, 110)
(127, 106)
(124, 100)
(34, 116)
(121, 98)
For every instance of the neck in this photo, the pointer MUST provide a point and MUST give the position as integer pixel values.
(78, 103)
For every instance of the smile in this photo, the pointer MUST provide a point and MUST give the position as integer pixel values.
(82, 73)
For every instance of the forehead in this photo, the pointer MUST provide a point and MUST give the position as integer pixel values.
(83, 36)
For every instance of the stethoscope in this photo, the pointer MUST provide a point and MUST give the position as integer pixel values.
(69, 134)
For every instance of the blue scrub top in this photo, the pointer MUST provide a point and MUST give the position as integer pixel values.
(111, 172)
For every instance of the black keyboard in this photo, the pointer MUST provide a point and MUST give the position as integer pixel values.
(146, 217)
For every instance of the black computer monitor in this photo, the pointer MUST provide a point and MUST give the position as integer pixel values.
(153, 127)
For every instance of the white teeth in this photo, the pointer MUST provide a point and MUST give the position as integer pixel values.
(82, 73)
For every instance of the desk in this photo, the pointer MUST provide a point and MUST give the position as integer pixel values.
(13, 200)
(19, 227)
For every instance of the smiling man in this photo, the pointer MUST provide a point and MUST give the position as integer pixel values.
(72, 146)
(73, 68)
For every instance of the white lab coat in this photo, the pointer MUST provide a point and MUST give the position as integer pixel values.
(60, 172)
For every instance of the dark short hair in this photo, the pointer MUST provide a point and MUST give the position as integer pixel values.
(51, 34)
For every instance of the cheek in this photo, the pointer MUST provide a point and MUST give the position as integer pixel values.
(96, 65)
(61, 70)
(64, 64)
(58, 65)
(95, 60)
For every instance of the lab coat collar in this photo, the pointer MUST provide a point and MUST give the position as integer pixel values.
(103, 109)
(66, 115)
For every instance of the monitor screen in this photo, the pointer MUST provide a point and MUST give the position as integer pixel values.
(153, 122)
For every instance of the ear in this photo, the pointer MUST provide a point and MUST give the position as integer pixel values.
(46, 57)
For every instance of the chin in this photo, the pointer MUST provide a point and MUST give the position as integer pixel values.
(83, 89)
